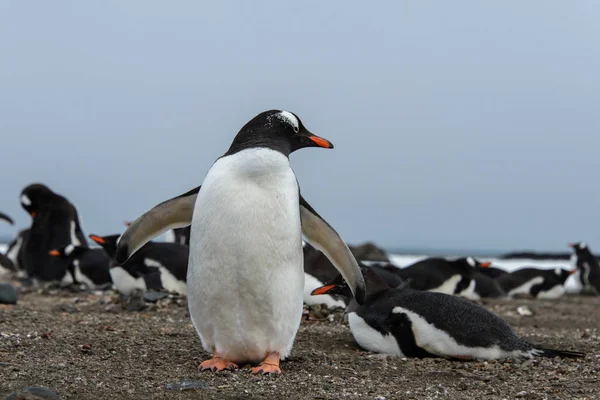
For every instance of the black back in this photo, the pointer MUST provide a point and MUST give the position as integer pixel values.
(94, 263)
(434, 271)
(52, 216)
(492, 272)
(487, 287)
(182, 235)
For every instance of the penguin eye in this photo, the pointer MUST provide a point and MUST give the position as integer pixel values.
(296, 129)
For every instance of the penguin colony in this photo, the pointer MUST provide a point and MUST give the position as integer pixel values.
(237, 266)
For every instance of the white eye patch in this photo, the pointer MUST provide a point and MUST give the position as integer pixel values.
(25, 200)
(583, 245)
(471, 261)
(69, 249)
(290, 119)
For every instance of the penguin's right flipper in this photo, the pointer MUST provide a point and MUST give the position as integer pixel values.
(541, 352)
(174, 213)
(6, 218)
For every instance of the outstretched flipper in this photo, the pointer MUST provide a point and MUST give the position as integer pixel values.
(174, 213)
(323, 237)
(6, 218)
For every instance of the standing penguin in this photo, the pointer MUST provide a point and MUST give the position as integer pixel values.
(588, 268)
(412, 323)
(55, 224)
(245, 275)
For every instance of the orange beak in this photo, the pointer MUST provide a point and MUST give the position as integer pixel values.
(571, 272)
(97, 239)
(54, 253)
(33, 214)
(322, 290)
(572, 245)
(485, 264)
(321, 142)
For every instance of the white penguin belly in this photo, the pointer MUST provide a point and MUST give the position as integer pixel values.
(449, 285)
(469, 292)
(555, 292)
(245, 275)
(525, 288)
(370, 339)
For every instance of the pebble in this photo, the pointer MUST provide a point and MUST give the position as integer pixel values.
(8, 294)
(135, 302)
(68, 308)
(187, 384)
(524, 311)
(153, 296)
(34, 393)
(521, 394)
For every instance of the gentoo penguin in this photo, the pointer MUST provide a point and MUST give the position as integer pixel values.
(6, 266)
(6, 218)
(246, 271)
(87, 266)
(535, 282)
(157, 266)
(444, 276)
(55, 224)
(587, 267)
(411, 323)
(492, 272)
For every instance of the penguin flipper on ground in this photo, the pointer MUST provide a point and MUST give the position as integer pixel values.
(323, 237)
(542, 352)
(174, 213)
(6, 218)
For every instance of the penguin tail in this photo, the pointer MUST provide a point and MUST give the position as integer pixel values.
(541, 352)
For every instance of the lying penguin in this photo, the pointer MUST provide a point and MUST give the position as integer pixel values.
(535, 282)
(444, 276)
(88, 267)
(156, 266)
(7, 266)
(411, 323)
(588, 268)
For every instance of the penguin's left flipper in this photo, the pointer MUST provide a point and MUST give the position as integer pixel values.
(6, 218)
(323, 237)
(174, 213)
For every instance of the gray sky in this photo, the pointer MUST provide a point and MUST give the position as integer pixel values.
(459, 124)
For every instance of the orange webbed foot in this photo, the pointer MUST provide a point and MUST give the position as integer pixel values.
(217, 364)
(270, 365)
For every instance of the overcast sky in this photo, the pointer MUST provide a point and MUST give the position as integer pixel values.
(460, 124)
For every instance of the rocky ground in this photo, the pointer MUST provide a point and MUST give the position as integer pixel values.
(85, 346)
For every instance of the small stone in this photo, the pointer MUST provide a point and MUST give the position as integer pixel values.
(524, 311)
(34, 393)
(187, 384)
(134, 302)
(153, 296)
(86, 348)
(521, 394)
(68, 308)
(8, 294)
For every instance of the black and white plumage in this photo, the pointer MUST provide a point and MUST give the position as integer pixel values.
(535, 282)
(411, 323)
(444, 276)
(156, 266)
(487, 287)
(55, 224)
(15, 252)
(588, 268)
(247, 222)
(88, 266)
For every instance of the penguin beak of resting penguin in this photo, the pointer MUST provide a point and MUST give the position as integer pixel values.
(571, 272)
(97, 239)
(54, 253)
(485, 264)
(327, 289)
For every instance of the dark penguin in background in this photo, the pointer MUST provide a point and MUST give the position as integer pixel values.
(411, 323)
(55, 224)
(587, 267)
(535, 282)
(492, 272)
(88, 267)
(156, 266)
(441, 275)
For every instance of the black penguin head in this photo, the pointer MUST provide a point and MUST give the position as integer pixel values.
(68, 251)
(338, 286)
(36, 197)
(579, 247)
(562, 274)
(469, 264)
(278, 130)
(108, 243)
